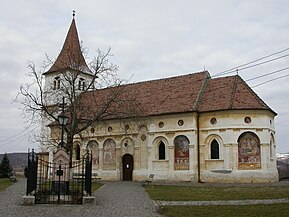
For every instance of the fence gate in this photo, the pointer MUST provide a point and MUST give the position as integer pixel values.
(57, 183)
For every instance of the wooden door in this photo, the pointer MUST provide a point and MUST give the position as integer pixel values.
(127, 167)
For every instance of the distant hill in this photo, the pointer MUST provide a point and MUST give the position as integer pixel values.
(17, 160)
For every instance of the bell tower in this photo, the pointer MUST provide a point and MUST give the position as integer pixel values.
(69, 69)
(68, 76)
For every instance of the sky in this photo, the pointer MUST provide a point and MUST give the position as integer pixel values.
(150, 39)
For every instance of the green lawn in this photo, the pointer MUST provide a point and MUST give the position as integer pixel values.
(271, 210)
(209, 193)
(75, 186)
(4, 183)
(95, 186)
(186, 193)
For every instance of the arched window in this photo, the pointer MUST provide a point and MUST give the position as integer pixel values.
(182, 156)
(56, 83)
(162, 151)
(81, 84)
(215, 154)
(249, 154)
(271, 146)
(271, 149)
(77, 152)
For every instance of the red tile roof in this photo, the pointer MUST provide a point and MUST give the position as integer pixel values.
(187, 93)
(230, 93)
(164, 96)
(70, 56)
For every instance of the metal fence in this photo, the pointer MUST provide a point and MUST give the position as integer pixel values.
(58, 183)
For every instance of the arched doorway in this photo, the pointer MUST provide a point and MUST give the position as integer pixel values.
(127, 167)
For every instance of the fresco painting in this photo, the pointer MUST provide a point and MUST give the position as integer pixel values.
(181, 153)
(93, 149)
(249, 156)
(109, 152)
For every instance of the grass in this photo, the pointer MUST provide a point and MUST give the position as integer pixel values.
(75, 186)
(4, 183)
(271, 210)
(209, 193)
(95, 186)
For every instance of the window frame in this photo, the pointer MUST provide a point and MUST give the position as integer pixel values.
(56, 83)
(214, 150)
(161, 151)
(81, 84)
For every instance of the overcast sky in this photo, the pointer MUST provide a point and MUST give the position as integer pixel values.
(150, 39)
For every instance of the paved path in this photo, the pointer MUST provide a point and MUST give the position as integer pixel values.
(124, 199)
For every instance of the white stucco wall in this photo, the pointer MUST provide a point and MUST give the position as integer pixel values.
(230, 125)
(142, 140)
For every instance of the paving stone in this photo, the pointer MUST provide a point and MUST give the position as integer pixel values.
(121, 199)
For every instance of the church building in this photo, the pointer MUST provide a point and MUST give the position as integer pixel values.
(192, 128)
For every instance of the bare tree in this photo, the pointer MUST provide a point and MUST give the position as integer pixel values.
(101, 97)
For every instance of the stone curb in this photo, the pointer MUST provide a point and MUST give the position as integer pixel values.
(221, 202)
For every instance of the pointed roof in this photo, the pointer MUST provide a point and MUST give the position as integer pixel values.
(70, 56)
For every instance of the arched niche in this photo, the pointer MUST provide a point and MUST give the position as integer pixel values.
(249, 151)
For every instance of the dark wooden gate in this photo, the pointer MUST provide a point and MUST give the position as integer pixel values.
(127, 167)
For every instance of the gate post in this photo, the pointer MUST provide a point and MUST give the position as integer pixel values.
(31, 172)
(88, 172)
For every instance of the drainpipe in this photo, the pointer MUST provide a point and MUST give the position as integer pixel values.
(198, 147)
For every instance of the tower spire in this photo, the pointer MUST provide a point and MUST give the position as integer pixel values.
(70, 56)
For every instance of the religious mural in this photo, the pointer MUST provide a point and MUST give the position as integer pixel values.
(249, 156)
(181, 153)
(109, 152)
(93, 149)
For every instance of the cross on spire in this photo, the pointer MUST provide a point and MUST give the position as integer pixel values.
(73, 14)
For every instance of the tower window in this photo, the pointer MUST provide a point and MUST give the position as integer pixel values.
(56, 83)
(81, 84)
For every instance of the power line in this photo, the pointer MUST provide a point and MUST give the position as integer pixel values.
(273, 79)
(267, 74)
(12, 137)
(18, 137)
(234, 68)
(261, 63)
